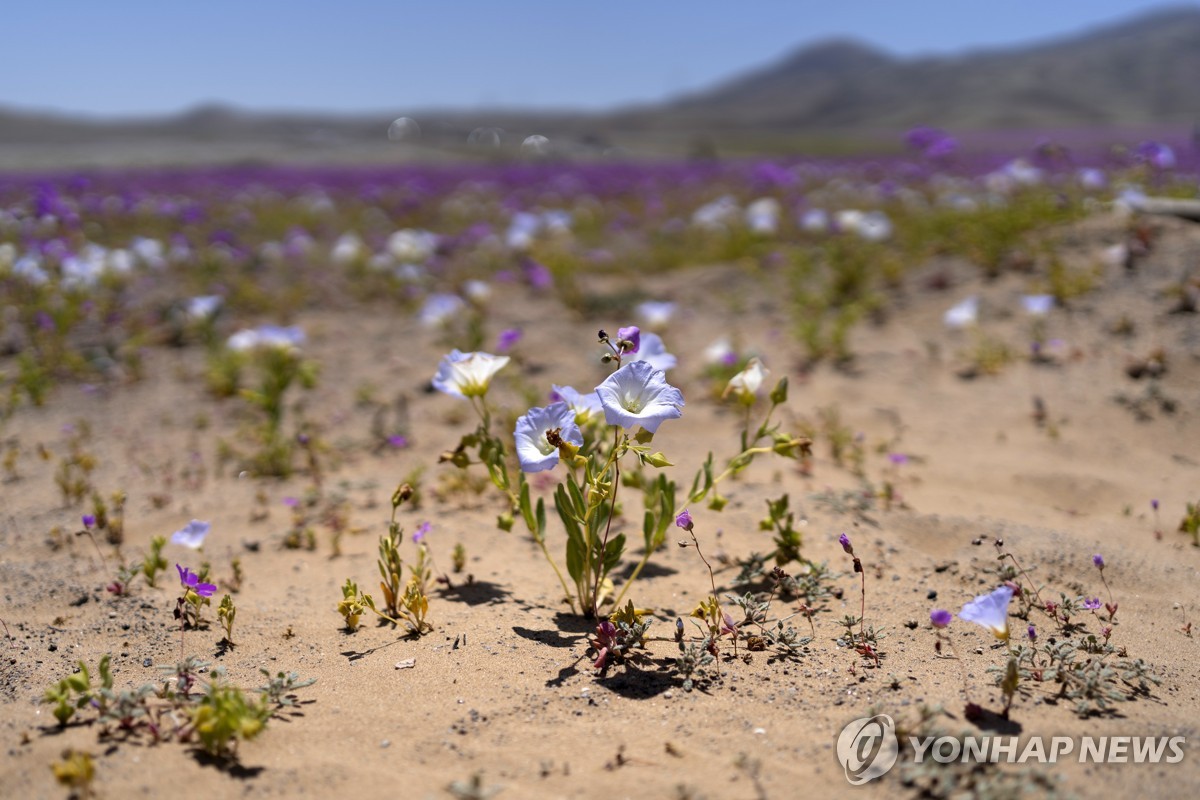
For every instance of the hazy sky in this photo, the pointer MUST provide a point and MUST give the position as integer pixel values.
(395, 56)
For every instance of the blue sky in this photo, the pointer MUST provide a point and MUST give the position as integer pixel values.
(141, 57)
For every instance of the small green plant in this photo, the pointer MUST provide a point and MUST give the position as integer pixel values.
(224, 716)
(1190, 524)
(226, 612)
(76, 771)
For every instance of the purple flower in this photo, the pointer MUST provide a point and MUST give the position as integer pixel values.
(89, 520)
(940, 617)
(539, 276)
(631, 334)
(1154, 504)
(191, 535)
(1092, 604)
(507, 338)
(898, 459)
(1098, 560)
(419, 534)
(291, 502)
(1032, 631)
(191, 582)
(844, 541)
(397, 441)
(684, 520)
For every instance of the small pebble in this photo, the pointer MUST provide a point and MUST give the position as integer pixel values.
(385, 743)
(147, 662)
(931, 594)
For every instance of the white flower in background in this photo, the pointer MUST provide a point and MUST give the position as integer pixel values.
(202, 307)
(721, 352)
(149, 251)
(962, 315)
(848, 220)
(409, 273)
(192, 535)
(875, 226)
(746, 385)
(440, 308)
(535, 451)
(347, 249)
(280, 336)
(638, 394)
(477, 291)
(557, 221)
(655, 314)
(762, 216)
(266, 336)
(1091, 178)
(1115, 256)
(8, 254)
(243, 340)
(990, 611)
(585, 406)
(412, 245)
(119, 261)
(1023, 173)
(521, 230)
(1037, 305)
(467, 374)
(29, 268)
(652, 351)
(1130, 199)
(717, 214)
(814, 220)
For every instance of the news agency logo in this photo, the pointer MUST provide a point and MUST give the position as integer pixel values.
(868, 748)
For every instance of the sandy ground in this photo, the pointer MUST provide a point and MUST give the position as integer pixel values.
(503, 686)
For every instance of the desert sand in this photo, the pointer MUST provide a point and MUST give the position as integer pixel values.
(503, 688)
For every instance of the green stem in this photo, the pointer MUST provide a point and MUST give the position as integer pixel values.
(566, 589)
(612, 508)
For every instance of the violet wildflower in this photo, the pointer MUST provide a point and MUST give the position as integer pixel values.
(844, 541)
(191, 582)
(89, 520)
(191, 535)
(940, 617)
(1092, 603)
(1098, 560)
(632, 335)
(1032, 632)
(638, 394)
(507, 339)
(684, 520)
(990, 611)
(421, 531)
(1154, 504)
(542, 432)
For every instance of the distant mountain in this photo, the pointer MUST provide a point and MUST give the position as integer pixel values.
(1142, 72)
